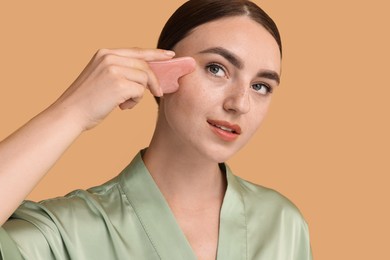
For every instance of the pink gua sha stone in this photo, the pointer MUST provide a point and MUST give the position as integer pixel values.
(168, 72)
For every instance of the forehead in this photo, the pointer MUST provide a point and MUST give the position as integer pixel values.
(246, 38)
(241, 35)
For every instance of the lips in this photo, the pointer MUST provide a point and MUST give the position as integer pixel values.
(225, 130)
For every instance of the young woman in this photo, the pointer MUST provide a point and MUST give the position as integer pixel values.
(176, 199)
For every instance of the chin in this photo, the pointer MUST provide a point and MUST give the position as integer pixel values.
(219, 153)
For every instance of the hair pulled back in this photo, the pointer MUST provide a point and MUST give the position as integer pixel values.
(197, 12)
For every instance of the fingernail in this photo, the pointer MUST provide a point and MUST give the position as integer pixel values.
(170, 53)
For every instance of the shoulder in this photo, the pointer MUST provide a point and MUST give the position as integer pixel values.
(60, 222)
(269, 212)
(268, 207)
(87, 203)
(260, 198)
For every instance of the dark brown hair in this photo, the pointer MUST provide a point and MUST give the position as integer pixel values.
(197, 12)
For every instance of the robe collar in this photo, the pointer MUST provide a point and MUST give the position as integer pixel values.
(160, 224)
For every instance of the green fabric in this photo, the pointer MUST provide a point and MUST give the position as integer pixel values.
(8, 249)
(128, 218)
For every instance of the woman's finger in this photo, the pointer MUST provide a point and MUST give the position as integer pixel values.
(113, 62)
(143, 76)
(138, 53)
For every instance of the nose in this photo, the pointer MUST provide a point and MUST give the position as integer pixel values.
(237, 99)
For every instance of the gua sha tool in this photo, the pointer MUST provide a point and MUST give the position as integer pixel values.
(168, 72)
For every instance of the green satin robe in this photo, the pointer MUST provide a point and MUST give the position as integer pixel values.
(128, 218)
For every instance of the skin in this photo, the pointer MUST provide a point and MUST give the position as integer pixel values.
(112, 78)
(192, 182)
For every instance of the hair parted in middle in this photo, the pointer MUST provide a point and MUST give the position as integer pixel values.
(194, 13)
(197, 12)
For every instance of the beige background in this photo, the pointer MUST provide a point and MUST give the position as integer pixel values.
(324, 144)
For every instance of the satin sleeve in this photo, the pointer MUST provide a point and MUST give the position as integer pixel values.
(8, 248)
(95, 224)
(31, 233)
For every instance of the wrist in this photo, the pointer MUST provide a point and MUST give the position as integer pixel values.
(66, 117)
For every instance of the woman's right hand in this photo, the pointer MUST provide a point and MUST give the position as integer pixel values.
(113, 77)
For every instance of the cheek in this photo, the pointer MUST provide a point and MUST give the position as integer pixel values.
(194, 92)
(259, 112)
(186, 101)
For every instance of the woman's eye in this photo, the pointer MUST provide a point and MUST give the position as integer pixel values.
(216, 70)
(262, 88)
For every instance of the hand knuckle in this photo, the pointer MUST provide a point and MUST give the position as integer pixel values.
(145, 75)
(121, 84)
(144, 65)
(141, 92)
(107, 60)
(137, 91)
(102, 52)
(112, 70)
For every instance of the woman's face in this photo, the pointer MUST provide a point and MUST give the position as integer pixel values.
(222, 103)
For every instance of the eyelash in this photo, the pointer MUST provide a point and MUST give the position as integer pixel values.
(268, 88)
(215, 65)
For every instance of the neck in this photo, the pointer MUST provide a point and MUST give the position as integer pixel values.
(182, 174)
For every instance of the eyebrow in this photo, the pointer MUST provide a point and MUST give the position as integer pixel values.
(238, 63)
(231, 57)
(269, 74)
